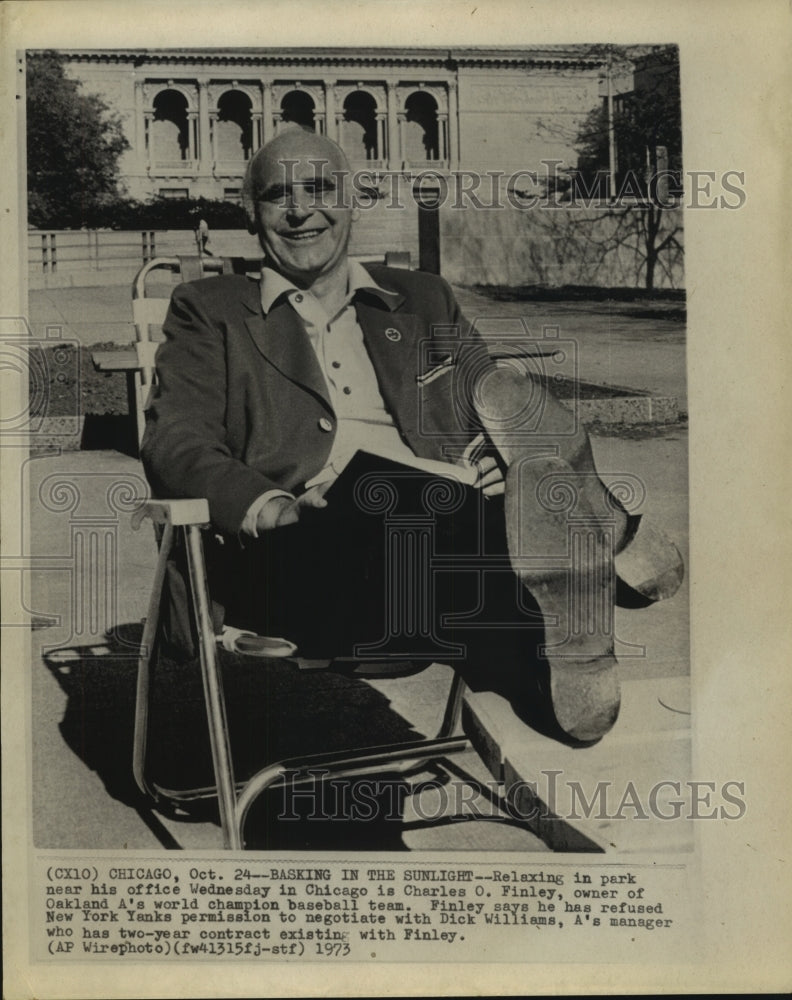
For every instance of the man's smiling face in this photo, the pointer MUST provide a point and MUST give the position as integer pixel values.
(302, 209)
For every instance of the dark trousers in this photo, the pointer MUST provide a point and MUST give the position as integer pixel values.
(424, 578)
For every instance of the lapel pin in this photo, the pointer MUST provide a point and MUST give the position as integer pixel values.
(393, 334)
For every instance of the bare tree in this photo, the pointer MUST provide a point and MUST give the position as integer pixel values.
(629, 165)
(638, 135)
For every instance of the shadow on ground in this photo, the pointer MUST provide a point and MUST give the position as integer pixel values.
(109, 432)
(268, 703)
(637, 303)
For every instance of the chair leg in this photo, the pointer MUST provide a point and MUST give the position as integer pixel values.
(147, 653)
(213, 692)
(453, 707)
(233, 810)
(346, 764)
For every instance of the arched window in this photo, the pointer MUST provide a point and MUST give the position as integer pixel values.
(298, 107)
(420, 129)
(359, 127)
(170, 141)
(234, 126)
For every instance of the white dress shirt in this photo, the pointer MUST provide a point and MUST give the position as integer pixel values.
(362, 419)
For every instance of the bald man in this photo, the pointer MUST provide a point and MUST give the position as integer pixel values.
(269, 390)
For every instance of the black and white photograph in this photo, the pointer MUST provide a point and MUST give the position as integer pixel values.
(358, 460)
(456, 515)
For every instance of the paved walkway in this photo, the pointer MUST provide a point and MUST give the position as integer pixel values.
(614, 346)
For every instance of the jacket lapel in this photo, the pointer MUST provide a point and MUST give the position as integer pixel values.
(282, 339)
(393, 340)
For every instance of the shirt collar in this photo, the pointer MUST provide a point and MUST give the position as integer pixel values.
(274, 285)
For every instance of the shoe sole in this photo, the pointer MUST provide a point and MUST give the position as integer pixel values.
(568, 568)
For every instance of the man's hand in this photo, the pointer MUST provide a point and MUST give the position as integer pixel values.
(280, 511)
(490, 478)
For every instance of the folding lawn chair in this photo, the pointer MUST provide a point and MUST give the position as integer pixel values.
(190, 519)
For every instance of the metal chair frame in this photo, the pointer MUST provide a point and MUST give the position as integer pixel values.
(235, 799)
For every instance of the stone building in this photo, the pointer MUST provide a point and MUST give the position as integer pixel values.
(194, 117)
(475, 123)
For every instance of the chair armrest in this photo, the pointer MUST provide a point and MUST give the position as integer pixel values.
(173, 512)
(398, 258)
(125, 359)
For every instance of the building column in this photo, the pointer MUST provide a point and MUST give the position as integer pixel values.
(255, 138)
(394, 130)
(192, 137)
(140, 127)
(267, 128)
(442, 136)
(204, 152)
(453, 126)
(381, 136)
(148, 117)
(212, 148)
(331, 125)
(402, 145)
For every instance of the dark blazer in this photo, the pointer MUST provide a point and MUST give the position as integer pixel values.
(241, 404)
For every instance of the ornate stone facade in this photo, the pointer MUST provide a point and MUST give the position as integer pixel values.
(194, 117)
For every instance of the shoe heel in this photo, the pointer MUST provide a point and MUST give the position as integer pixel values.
(585, 697)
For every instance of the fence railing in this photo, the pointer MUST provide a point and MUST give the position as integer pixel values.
(59, 251)
(65, 257)
(99, 256)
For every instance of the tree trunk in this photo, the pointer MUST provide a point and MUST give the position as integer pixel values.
(653, 216)
(651, 260)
